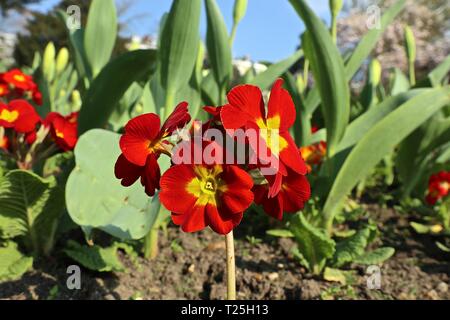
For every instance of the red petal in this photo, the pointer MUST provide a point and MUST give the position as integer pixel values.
(233, 117)
(178, 119)
(281, 105)
(291, 156)
(126, 171)
(174, 195)
(28, 118)
(296, 191)
(195, 219)
(151, 175)
(220, 221)
(238, 196)
(139, 133)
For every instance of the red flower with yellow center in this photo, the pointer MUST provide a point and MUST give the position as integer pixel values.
(18, 79)
(63, 129)
(438, 187)
(245, 109)
(4, 90)
(294, 192)
(199, 196)
(4, 143)
(314, 154)
(19, 115)
(142, 144)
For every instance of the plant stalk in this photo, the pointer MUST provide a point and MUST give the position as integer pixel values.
(151, 244)
(231, 267)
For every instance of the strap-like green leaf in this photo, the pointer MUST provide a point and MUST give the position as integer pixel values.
(101, 33)
(110, 85)
(379, 141)
(179, 43)
(218, 45)
(265, 79)
(329, 73)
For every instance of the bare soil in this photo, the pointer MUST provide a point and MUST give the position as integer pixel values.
(191, 266)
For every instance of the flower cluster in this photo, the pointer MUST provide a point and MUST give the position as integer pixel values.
(15, 84)
(208, 185)
(438, 187)
(24, 135)
(314, 154)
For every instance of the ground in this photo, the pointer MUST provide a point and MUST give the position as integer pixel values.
(191, 266)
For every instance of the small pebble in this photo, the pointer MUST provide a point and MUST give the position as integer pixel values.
(258, 277)
(442, 287)
(273, 276)
(191, 268)
(433, 295)
(280, 266)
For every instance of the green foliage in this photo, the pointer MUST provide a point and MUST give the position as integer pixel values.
(30, 207)
(13, 264)
(315, 247)
(96, 199)
(95, 257)
(100, 34)
(110, 85)
(178, 47)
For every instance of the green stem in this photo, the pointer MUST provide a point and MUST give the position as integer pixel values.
(233, 34)
(412, 73)
(169, 105)
(151, 244)
(306, 72)
(231, 267)
(334, 28)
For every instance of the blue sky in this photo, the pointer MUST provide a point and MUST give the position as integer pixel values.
(269, 31)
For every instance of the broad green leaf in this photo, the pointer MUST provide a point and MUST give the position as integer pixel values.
(369, 41)
(13, 264)
(179, 44)
(376, 256)
(313, 243)
(101, 33)
(329, 73)
(265, 79)
(379, 141)
(218, 45)
(30, 206)
(95, 257)
(111, 84)
(282, 233)
(95, 198)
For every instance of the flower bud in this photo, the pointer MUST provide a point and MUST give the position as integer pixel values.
(240, 7)
(410, 43)
(48, 63)
(62, 59)
(335, 7)
(374, 72)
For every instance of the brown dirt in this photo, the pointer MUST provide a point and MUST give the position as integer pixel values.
(265, 270)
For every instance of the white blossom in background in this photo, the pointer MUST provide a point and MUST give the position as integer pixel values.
(243, 65)
(138, 43)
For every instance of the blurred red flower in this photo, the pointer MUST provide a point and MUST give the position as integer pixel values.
(17, 79)
(438, 187)
(4, 90)
(19, 115)
(314, 154)
(63, 129)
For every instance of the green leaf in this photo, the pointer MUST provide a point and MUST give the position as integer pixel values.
(379, 141)
(376, 256)
(437, 75)
(400, 83)
(420, 228)
(369, 41)
(111, 84)
(351, 247)
(96, 199)
(334, 275)
(265, 79)
(282, 233)
(359, 127)
(218, 45)
(329, 73)
(313, 243)
(95, 257)
(101, 33)
(13, 264)
(179, 44)
(30, 206)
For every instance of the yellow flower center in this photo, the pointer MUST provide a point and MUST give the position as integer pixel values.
(206, 185)
(19, 78)
(9, 116)
(59, 134)
(270, 134)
